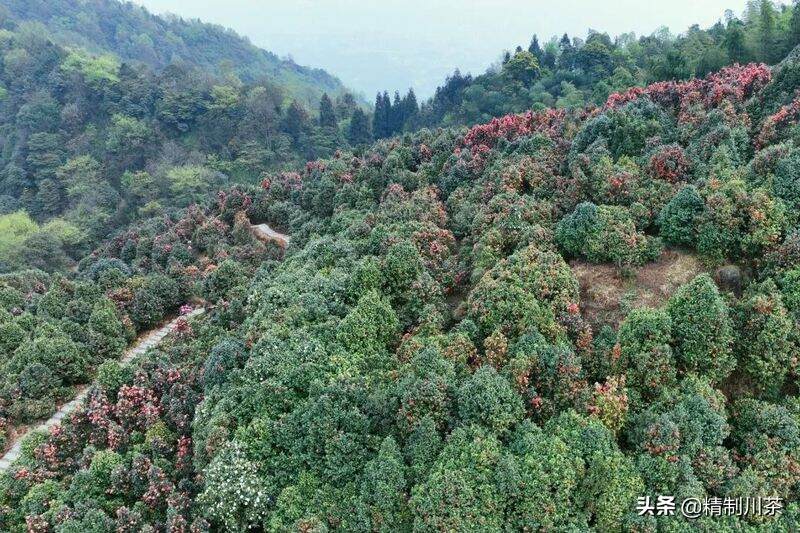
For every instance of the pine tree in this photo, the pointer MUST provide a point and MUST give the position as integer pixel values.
(296, 124)
(566, 58)
(549, 56)
(397, 115)
(410, 107)
(535, 49)
(358, 133)
(327, 115)
(379, 118)
(345, 105)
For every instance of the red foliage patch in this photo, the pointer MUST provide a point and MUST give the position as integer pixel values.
(670, 164)
(734, 83)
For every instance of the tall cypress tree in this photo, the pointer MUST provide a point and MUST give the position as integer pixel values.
(296, 124)
(358, 133)
(535, 49)
(380, 116)
(327, 115)
(397, 116)
(410, 105)
(566, 58)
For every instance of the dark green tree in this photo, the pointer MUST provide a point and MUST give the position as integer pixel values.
(535, 49)
(768, 31)
(678, 219)
(358, 133)
(327, 115)
(381, 119)
(734, 41)
(793, 32)
(701, 329)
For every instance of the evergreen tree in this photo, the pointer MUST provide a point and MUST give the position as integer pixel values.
(327, 115)
(793, 34)
(358, 133)
(767, 31)
(734, 41)
(296, 125)
(566, 58)
(382, 119)
(701, 329)
(345, 105)
(378, 116)
(410, 108)
(549, 55)
(535, 49)
(523, 68)
(397, 115)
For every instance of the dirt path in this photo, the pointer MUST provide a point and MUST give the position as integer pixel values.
(144, 343)
(263, 231)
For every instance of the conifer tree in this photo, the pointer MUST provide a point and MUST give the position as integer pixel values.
(382, 119)
(535, 49)
(566, 58)
(295, 122)
(397, 115)
(410, 107)
(358, 133)
(378, 116)
(327, 115)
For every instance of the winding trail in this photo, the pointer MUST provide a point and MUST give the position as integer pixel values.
(264, 232)
(143, 343)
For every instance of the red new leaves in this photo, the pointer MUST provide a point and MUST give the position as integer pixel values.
(670, 163)
(735, 83)
(785, 116)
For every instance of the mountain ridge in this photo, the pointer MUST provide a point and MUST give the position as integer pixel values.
(134, 34)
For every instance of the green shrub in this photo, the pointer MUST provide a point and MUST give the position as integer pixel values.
(701, 329)
(764, 345)
(645, 352)
(605, 234)
(225, 356)
(678, 219)
(488, 399)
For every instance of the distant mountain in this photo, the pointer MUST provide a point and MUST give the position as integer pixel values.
(134, 34)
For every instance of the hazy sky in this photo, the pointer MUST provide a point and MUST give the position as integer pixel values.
(396, 44)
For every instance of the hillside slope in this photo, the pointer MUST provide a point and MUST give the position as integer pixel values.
(135, 35)
(89, 144)
(417, 359)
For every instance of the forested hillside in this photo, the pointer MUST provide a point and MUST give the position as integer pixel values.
(570, 72)
(135, 36)
(422, 356)
(89, 144)
(95, 138)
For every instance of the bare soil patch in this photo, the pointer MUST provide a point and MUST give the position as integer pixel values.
(607, 295)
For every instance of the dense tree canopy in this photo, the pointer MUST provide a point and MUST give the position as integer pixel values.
(422, 352)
